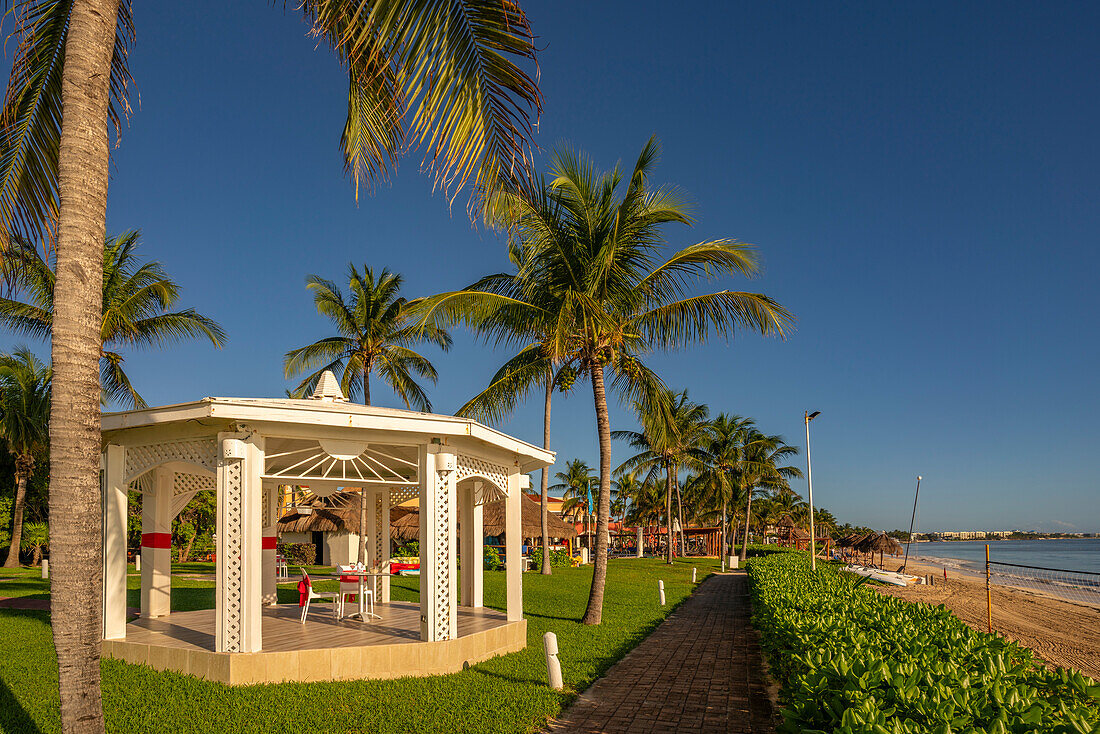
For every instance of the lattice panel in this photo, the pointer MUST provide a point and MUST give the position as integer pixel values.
(441, 553)
(234, 541)
(200, 451)
(266, 518)
(185, 483)
(381, 535)
(403, 494)
(469, 466)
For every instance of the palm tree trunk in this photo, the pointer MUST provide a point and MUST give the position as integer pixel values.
(75, 512)
(725, 535)
(680, 512)
(12, 561)
(594, 612)
(745, 540)
(363, 490)
(668, 512)
(546, 482)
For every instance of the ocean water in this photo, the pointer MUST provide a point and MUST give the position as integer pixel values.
(1081, 554)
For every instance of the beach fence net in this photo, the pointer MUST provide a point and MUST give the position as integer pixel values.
(1082, 587)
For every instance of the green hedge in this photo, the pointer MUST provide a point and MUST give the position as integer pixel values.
(558, 558)
(301, 554)
(852, 660)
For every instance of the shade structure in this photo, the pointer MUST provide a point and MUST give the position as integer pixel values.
(339, 512)
(493, 522)
(246, 450)
(879, 543)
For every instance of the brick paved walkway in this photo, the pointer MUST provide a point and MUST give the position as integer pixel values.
(700, 671)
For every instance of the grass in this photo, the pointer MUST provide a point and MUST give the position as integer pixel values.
(505, 694)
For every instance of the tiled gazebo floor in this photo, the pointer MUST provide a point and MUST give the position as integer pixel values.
(322, 648)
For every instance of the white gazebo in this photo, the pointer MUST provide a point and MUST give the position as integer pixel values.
(244, 449)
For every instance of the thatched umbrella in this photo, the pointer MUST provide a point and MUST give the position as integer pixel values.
(492, 521)
(880, 542)
(339, 512)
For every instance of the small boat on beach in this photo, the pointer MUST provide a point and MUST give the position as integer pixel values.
(886, 577)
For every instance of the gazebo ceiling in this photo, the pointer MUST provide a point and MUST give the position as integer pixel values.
(302, 461)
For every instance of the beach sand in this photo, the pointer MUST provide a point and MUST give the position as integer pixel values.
(1060, 632)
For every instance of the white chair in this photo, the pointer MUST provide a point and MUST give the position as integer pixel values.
(282, 571)
(351, 588)
(310, 594)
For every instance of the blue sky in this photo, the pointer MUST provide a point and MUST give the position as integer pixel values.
(921, 181)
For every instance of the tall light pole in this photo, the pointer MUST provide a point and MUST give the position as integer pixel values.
(810, 481)
(911, 521)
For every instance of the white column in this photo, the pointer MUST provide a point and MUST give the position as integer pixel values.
(472, 540)
(156, 545)
(438, 570)
(384, 544)
(239, 586)
(114, 543)
(640, 550)
(270, 501)
(513, 542)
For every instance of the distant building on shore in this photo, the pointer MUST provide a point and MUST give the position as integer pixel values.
(973, 534)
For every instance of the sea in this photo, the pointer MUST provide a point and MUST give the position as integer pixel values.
(1080, 554)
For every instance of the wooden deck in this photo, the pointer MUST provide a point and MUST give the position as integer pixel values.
(282, 629)
(322, 648)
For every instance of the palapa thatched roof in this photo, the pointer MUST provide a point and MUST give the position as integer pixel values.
(879, 543)
(339, 512)
(408, 527)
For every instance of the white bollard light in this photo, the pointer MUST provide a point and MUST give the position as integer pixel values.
(137, 562)
(553, 665)
(45, 568)
(693, 570)
(661, 591)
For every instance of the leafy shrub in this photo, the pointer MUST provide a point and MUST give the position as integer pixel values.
(851, 660)
(492, 559)
(558, 558)
(302, 554)
(409, 550)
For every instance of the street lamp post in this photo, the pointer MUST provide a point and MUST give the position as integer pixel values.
(810, 482)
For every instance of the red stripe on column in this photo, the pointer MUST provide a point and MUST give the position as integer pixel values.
(156, 540)
(269, 542)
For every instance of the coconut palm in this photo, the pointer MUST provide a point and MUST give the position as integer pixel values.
(24, 419)
(375, 334)
(136, 300)
(576, 484)
(762, 471)
(592, 240)
(508, 308)
(438, 75)
(674, 433)
(719, 480)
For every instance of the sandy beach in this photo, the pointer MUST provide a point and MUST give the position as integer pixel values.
(1060, 632)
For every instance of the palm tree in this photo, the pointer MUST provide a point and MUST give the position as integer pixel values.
(576, 484)
(136, 299)
(674, 432)
(24, 419)
(596, 248)
(375, 333)
(762, 471)
(35, 536)
(508, 308)
(719, 480)
(439, 75)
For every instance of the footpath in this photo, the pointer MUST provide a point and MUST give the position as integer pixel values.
(700, 671)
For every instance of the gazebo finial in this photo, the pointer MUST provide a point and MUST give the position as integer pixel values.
(328, 389)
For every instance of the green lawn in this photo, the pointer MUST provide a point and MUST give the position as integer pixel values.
(506, 694)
